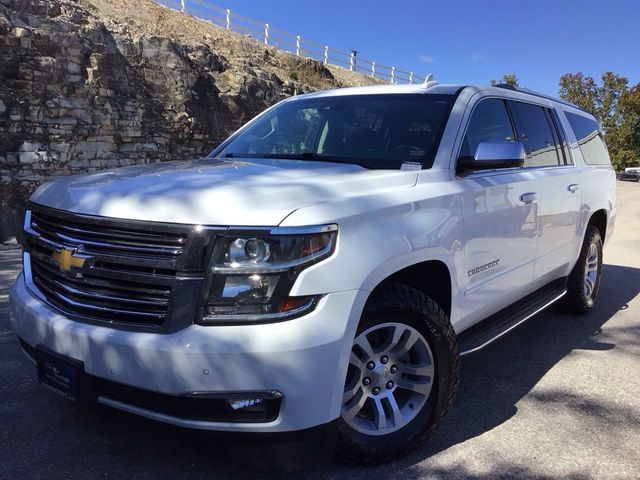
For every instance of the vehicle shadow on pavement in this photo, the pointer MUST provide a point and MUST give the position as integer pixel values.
(495, 379)
(75, 441)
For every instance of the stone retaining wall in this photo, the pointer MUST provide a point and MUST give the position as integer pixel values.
(85, 86)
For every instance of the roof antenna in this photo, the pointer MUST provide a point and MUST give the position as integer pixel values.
(429, 81)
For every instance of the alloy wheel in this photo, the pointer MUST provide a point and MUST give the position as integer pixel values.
(389, 380)
(591, 271)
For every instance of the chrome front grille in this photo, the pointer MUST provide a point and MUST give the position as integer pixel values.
(96, 297)
(105, 238)
(127, 274)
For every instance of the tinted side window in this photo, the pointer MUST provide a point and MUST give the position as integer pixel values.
(535, 130)
(563, 145)
(489, 122)
(592, 146)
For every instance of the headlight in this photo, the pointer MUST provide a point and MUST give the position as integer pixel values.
(252, 271)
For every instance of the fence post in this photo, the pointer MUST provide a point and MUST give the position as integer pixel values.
(352, 60)
(410, 77)
(183, 6)
(266, 34)
(393, 74)
(298, 45)
(228, 19)
(326, 54)
(373, 69)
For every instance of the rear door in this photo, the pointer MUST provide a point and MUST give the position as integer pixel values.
(556, 185)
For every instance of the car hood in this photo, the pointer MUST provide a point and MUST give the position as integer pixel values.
(216, 192)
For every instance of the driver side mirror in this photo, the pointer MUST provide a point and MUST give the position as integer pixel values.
(492, 156)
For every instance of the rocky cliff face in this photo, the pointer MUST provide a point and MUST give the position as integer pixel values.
(94, 84)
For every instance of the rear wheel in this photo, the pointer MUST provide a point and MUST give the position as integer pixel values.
(402, 375)
(584, 281)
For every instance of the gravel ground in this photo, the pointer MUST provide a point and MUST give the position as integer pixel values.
(558, 398)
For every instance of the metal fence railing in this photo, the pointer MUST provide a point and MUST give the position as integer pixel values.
(301, 47)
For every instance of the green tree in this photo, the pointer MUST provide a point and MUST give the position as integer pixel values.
(627, 132)
(579, 90)
(509, 79)
(615, 105)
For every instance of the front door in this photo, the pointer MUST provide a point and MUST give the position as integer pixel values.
(500, 213)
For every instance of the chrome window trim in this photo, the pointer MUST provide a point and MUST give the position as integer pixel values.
(511, 171)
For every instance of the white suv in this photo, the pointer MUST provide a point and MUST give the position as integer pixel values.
(324, 268)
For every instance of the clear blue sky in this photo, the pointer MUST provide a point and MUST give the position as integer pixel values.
(470, 41)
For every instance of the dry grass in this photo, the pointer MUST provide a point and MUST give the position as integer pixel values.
(145, 17)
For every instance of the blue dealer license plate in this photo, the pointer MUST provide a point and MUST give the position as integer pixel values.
(59, 374)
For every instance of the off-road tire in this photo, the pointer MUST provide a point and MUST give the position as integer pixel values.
(576, 301)
(396, 302)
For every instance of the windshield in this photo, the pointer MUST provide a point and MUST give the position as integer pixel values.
(375, 131)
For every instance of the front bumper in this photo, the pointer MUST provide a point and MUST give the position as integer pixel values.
(305, 359)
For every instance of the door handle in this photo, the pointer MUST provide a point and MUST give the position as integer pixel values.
(528, 198)
(573, 187)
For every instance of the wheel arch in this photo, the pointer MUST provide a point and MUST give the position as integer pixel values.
(599, 220)
(431, 277)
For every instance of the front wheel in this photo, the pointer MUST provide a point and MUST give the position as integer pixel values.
(402, 375)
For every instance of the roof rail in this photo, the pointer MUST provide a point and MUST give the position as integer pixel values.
(508, 86)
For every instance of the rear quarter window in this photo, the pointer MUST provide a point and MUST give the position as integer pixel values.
(590, 141)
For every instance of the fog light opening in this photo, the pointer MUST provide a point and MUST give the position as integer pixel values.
(244, 403)
(261, 404)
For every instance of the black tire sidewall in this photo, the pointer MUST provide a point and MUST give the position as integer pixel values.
(576, 301)
(592, 238)
(446, 363)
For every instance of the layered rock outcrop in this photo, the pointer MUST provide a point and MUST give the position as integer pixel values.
(94, 84)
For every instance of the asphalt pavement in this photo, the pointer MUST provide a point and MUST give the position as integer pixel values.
(557, 398)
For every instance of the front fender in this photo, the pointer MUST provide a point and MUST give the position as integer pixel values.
(374, 244)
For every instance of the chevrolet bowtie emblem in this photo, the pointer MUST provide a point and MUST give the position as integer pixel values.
(66, 260)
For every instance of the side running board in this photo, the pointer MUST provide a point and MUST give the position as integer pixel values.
(487, 331)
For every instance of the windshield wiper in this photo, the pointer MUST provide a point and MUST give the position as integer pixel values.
(370, 163)
(284, 156)
(291, 156)
(316, 157)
